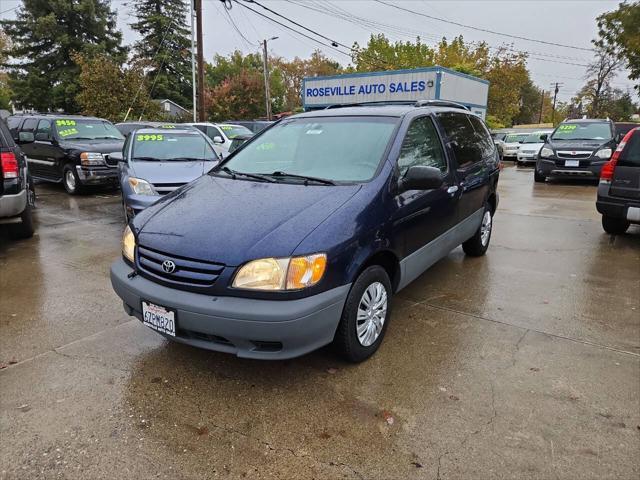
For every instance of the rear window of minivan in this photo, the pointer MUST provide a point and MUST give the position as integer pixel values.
(630, 156)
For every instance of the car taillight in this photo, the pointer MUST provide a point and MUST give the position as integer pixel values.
(9, 165)
(606, 174)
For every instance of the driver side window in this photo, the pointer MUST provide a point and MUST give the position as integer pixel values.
(421, 146)
(44, 130)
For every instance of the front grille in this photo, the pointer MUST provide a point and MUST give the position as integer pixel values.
(206, 337)
(187, 272)
(570, 155)
(164, 188)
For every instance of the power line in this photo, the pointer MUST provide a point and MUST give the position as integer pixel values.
(486, 30)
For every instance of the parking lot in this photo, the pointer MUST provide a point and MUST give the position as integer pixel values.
(524, 363)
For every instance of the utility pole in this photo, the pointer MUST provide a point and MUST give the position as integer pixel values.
(541, 107)
(265, 67)
(193, 61)
(201, 108)
(556, 89)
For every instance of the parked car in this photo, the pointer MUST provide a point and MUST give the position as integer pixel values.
(238, 141)
(576, 148)
(17, 194)
(71, 149)
(498, 139)
(222, 133)
(125, 128)
(530, 147)
(619, 187)
(301, 237)
(158, 161)
(622, 128)
(255, 126)
(511, 145)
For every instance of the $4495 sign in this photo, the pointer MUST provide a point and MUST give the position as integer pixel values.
(159, 318)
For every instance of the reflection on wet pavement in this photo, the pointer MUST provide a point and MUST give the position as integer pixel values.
(522, 364)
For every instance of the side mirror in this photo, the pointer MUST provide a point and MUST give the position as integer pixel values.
(521, 141)
(421, 178)
(26, 137)
(218, 139)
(42, 137)
(544, 137)
(117, 156)
(619, 137)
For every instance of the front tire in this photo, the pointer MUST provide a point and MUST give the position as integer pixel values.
(70, 180)
(614, 226)
(538, 177)
(365, 317)
(477, 245)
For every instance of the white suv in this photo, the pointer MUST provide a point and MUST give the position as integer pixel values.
(222, 133)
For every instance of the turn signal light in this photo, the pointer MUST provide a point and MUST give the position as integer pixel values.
(8, 165)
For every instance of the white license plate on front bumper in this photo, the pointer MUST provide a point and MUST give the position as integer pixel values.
(572, 163)
(159, 318)
(633, 214)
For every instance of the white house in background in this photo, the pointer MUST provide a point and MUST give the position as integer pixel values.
(171, 108)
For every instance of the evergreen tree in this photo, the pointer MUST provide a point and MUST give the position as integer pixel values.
(165, 48)
(44, 36)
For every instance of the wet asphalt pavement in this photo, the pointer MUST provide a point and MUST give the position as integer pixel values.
(522, 364)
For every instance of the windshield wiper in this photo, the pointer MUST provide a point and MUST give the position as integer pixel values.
(107, 138)
(146, 159)
(306, 178)
(255, 176)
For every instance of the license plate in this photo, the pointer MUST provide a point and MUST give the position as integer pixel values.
(572, 163)
(159, 318)
(633, 214)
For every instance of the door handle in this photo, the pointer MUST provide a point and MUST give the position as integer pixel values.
(452, 189)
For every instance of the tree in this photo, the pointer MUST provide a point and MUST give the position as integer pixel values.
(5, 91)
(619, 34)
(600, 73)
(507, 73)
(44, 36)
(164, 48)
(380, 54)
(240, 96)
(112, 92)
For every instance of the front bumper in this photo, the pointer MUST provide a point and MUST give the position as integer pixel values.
(527, 157)
(246, 327)
(136, 203)
(554, 168)
(13, 205)
(97, 176)
(617, 207)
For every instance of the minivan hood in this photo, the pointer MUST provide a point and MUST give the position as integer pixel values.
(100, 146)
(232, 221)
(169, 172)
(577, 144)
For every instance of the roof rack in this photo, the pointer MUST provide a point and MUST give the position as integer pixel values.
(419, 103)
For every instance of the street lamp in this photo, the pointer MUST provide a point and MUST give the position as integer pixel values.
(265, 62)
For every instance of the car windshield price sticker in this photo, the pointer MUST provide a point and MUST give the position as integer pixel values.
(159, 318)
(65, 123)
(150, 137)
(226, 127)
(68, 131)
(566, 128)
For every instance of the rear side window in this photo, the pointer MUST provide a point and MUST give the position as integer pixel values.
(44, 129)
(482, 136)
(29, 125)
(421, 146)
(630, 156)
(467, 144)
(13, 124)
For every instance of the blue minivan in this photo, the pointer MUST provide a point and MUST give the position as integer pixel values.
(301, 237)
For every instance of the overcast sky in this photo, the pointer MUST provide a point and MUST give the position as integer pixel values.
(556, 21)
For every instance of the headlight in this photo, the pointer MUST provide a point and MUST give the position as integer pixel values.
(141, 187)
(91, 158)
(293, 273)
(128, 244)
(546, 153)
(605, 153)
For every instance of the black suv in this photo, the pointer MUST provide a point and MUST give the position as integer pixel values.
(71, 149)
(619, 188)
(17, 196)
(577, 148)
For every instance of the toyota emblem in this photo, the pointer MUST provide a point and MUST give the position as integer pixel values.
(168, 266)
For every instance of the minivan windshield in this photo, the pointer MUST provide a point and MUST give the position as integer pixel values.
(232, 131)
(339, 149)
(173, 146)
(582, 131)
(79, 129)
(515, 137)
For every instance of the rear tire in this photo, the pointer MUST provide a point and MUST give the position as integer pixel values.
(368, 305)
(70, 180)
(25, 229)
(538, 177)
(477, 245)
(614, 226)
